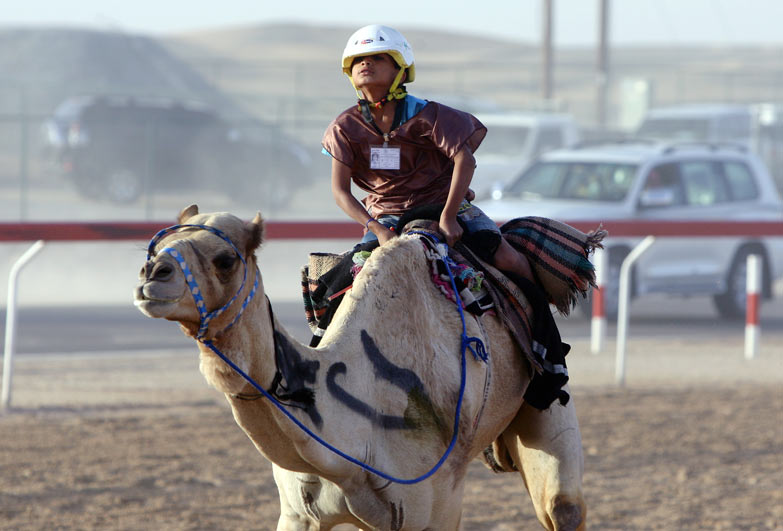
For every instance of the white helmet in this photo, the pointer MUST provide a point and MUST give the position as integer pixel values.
(374, 39)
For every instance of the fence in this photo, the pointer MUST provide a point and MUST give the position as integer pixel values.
(75, 232)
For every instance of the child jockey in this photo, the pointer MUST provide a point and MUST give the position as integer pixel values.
(406, 152)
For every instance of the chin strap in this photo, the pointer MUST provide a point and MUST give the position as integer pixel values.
(365, 104)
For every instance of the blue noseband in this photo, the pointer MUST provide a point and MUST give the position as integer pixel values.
(205, 317)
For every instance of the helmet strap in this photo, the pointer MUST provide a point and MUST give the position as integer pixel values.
(396, 91)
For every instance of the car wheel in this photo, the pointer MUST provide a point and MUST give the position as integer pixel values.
(732, 303)
(123, 185)
(612, 287)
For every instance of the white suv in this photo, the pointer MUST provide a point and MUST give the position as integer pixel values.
(650, 181)
(513, 141)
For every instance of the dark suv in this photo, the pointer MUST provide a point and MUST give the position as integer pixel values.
(119, 148)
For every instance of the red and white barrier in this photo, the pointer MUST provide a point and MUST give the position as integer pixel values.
(598, 322)
(112, 231)
(753, 287)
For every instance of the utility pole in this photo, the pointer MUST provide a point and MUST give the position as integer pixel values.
(602, 74)
(546, 48)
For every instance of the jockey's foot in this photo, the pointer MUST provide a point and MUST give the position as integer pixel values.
(510, 260)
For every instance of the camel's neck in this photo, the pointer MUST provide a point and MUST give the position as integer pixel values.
(262, 349)
(289, 374)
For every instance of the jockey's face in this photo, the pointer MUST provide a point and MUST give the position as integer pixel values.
(374, 72)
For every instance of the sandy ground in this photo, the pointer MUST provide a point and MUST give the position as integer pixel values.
(137, 441)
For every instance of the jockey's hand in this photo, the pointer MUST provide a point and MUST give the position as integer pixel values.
(470, 195)
(385, 235)
(451, 230)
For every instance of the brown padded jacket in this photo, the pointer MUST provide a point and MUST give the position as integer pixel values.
(428, 142)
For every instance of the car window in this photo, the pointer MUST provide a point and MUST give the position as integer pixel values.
(740, 180)
(703, 184)
(575, 180)
(541, 180)
(663, 187)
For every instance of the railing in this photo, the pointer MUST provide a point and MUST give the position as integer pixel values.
(114, 231)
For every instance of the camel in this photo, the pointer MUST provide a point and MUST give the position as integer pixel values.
(382, 386)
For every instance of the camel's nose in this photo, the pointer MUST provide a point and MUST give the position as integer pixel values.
(159, 271)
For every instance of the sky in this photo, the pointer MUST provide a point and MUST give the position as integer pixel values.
(716, 22)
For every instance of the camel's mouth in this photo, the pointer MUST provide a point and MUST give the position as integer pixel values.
(154, 304)
(153, 308)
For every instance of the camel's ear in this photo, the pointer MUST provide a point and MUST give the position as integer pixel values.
(187, 213)
(255, 229)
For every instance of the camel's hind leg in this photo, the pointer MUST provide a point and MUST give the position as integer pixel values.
(546, 446)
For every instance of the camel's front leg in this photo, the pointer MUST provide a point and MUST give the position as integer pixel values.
(290, 520)
(546, 446)
(291, 516)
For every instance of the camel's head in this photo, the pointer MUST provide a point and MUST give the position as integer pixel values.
(213, 258)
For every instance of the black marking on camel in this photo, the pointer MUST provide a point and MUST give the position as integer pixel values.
(419, 411)
(309, 504)
(297, 373)
(397, 516)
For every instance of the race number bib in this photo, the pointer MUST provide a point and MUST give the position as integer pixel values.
(384, 158)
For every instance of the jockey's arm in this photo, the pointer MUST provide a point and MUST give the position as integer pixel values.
(464, 165)
(341, 191)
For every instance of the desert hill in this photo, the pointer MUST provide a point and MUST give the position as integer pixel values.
(290, 74)
(292, 70)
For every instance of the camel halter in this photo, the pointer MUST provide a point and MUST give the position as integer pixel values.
(478, 354)
(205, 317)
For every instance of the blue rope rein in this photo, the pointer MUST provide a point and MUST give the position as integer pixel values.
(466, 341)
(480, 352)
(336, 450)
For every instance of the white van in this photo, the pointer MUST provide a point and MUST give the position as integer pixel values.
(699, 123)
(513, 141)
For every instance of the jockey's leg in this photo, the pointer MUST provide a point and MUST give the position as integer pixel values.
(546, 446)
(510, 260)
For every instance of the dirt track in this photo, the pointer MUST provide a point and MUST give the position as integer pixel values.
(140, 442)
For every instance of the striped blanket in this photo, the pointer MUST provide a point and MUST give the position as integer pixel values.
(559, 256)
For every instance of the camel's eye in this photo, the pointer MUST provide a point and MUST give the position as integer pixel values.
(224, 261)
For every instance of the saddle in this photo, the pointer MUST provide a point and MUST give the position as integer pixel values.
(559, 257)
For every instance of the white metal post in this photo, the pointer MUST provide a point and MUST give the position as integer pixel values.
(753, 288)
(624, 300)
(10, 322)
(598, 323)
